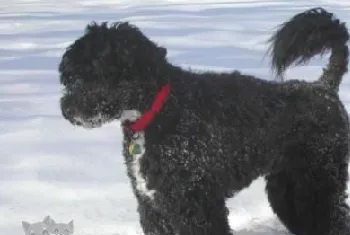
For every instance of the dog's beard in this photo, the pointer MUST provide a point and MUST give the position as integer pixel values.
(91, 122)
(87, 111)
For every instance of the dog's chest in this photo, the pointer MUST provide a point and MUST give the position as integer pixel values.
(134, 151)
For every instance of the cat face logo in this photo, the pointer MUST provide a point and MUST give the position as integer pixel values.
(48, 227)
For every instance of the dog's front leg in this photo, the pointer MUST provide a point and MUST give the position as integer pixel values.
(152, 221)
(196, 213)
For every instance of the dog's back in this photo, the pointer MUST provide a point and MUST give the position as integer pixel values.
(307, 34)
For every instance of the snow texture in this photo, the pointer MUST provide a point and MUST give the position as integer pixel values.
(49, 167)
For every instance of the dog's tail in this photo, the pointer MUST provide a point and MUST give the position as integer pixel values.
(307, 34)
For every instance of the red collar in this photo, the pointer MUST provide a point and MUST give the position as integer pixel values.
(150, 114)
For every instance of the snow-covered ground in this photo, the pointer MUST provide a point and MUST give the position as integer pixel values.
(48, 167)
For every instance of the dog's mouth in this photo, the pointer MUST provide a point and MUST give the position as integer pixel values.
(90, 120)
(90, 123)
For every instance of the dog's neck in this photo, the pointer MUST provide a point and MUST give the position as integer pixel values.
(142, 91)
(142, 100)
(148, 116)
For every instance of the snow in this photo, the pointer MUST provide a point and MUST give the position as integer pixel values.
(49, 167)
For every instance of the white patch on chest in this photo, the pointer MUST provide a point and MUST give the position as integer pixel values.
(141, 182)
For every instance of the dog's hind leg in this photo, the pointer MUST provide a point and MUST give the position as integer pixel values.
(152, 221)
(311, 200)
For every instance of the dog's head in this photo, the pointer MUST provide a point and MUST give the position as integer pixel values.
(105, 70)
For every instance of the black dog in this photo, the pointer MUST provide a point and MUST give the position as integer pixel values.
(194, 139)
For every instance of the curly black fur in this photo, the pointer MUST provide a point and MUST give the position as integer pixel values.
(219, 131)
